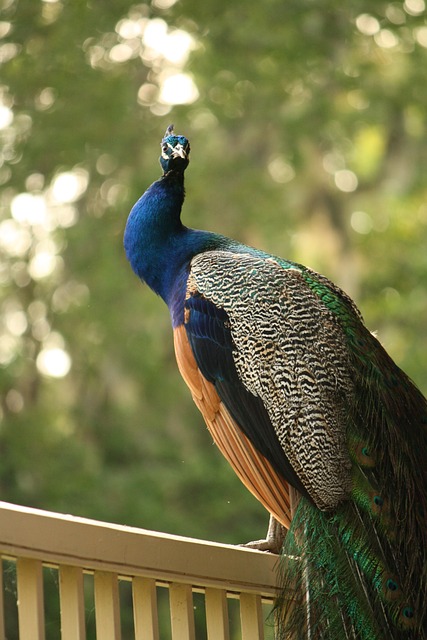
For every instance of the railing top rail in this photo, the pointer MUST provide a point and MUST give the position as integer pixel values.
(60, 539)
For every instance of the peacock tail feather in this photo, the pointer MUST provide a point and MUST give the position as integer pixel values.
(361, 571)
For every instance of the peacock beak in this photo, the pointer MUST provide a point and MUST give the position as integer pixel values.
(179, 151)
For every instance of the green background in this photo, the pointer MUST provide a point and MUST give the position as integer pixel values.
(308, 135)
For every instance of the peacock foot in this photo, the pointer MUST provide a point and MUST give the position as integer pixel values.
(273, 541)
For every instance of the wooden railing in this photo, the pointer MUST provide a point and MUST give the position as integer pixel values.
(92, 571)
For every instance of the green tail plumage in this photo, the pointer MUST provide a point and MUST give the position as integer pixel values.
(361, 570)
(339, 584)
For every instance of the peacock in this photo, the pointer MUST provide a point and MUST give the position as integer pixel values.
(308, 408)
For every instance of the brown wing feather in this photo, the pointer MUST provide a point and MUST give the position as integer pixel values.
(252, 467)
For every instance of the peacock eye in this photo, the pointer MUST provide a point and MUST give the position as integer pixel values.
(164, 147)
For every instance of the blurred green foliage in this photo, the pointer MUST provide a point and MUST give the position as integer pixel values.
(308, 129)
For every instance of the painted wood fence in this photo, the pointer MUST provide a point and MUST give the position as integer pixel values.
(174, 587)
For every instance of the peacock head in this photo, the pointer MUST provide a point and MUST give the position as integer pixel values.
(175, 152)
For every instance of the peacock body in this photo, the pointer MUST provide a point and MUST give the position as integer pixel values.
(296, 392)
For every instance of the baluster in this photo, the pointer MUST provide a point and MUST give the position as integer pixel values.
(145, 609)
(182, 612)
(251, 617)
(72, 603)
(216, 614)
(107, 606)
(30, 599)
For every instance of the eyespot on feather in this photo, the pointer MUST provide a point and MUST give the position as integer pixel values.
(363, 456)
(406, 618)
(390, 588)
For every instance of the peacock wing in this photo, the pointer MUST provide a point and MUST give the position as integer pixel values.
(278, 359)
(250, 465)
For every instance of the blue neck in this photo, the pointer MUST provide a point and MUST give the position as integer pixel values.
(158, 246)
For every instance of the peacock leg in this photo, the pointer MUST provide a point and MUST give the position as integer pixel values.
(273, 541)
